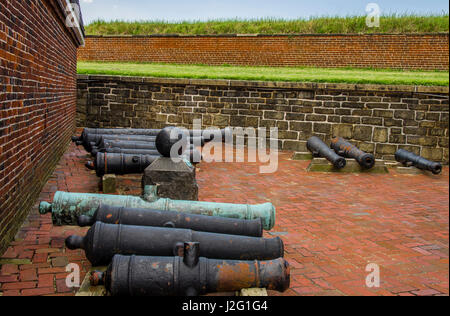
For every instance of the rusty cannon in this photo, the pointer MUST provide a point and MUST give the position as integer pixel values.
(189, 275)
(103, 241)
(320, 149)
(410, 159)
(347, 150)
(67, 207)
(141, 217)
(120, 164)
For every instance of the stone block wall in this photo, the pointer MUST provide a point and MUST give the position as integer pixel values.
(380, 119)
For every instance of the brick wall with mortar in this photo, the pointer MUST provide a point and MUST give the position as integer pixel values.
(37, 103)
(410, 51)
(380, 119)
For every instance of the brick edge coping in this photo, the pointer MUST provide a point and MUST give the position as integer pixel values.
(268, 35)
(272, 84)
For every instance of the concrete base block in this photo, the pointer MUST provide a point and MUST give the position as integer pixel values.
(175, 180)
(302, 156)
(322, 165)
(87, 290)
(109, 184)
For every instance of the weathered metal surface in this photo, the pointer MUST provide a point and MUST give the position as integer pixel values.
(410, 159)
(103, 241)
(127, 151)
(155, 218)
(67, 207)
(320, 149)
(347, 150)
(126, 144)
(190, 275)
(120, 164)
(170, 136)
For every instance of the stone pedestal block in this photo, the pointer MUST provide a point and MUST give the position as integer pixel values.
(175, 180)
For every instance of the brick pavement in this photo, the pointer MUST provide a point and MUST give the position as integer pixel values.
(333, 227)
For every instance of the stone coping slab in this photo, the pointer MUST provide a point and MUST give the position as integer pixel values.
(271, 84)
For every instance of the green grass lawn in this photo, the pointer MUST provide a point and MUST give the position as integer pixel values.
(298, 74)
(322, 25)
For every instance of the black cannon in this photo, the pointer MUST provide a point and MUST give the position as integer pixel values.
(189, 275)
(120, 164)
(127, 151)
(170, 136)
(103, 241)
(410, 159)
(93, 136)
(347, 150)
(320, 149)
(142, 217)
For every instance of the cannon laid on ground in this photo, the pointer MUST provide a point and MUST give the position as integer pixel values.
(141, 217)
(189, 275)
(94, 135)
(410, 159)
(103, 241)
(320, 149)
(170, 136)
(67, 207)
(120, 164)
(347, 150)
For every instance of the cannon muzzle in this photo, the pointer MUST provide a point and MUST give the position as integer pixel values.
(320, 149)
(410, 159)
(103, 241)
(189, 275)
(345, 149)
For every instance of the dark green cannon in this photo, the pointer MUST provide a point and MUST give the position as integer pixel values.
(67, 207)
(410, 159)
(189, 275)
(103, 241)
(345, 149)
(120, 164)
(148, 152)
(320, 149)
(141, 217)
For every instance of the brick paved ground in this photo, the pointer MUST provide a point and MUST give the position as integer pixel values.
(333, 227)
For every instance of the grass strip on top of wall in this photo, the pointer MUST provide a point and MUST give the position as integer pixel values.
(394, 23)
(292, 74)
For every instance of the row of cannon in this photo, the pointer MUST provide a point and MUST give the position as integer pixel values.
(156, 246)
(130, 151)
(342, 149)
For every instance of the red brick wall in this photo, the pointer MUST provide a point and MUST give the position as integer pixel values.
(37, 103)
(425, 51)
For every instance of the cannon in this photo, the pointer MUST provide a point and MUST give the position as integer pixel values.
(320, 149)
(410, 159)
(120, 164)
(125, 151)
(170, 136)
(103, 241)
(67, 207)
(94, 135)
(347, 150)
(141, 217)
(189, 275)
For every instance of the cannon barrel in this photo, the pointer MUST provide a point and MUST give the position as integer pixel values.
(408, 158)
(170, 136)
(189, 275)
(155, 218)
(320, 149)
(67, 207)
(103, 241)
(125, 151)
(121, 164)
(345, 149)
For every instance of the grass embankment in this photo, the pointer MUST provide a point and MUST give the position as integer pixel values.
(315, 25)
(296, 74)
